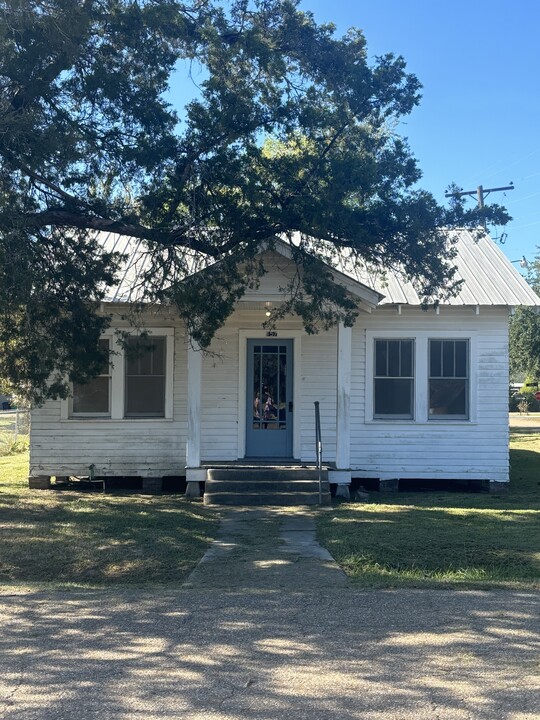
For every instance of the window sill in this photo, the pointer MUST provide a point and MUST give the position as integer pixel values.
(103, 419)
(426, 423)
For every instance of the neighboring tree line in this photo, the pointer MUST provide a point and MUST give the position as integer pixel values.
(524, 341)
(292, 129)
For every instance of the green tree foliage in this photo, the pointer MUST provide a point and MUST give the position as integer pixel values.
(293, 130)
(524, 334)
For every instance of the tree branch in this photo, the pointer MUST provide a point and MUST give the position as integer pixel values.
(166, 238)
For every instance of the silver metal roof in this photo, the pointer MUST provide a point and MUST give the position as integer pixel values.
(489, 278)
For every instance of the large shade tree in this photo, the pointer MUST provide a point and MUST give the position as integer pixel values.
(292, 130)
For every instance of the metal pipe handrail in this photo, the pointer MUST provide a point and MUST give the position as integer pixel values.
(318, 447)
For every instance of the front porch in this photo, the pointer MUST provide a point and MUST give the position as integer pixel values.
(293, 408)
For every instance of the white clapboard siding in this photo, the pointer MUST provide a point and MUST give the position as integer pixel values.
(145, 448)
(406, 449)
(436, 449)
(219, 399)
(319, 383)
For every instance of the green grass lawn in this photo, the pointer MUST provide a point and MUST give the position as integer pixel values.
(13, 435)
(94, 539)
(444, 539)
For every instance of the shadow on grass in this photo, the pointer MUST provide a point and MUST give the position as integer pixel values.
(77, 538)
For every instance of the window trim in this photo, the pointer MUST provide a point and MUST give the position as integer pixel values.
(467, 378)
(117, 394)
(412, 378)
(421, 370)
(108, 375)
(146, 416)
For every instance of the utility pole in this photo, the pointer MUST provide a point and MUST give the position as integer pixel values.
(481, 194)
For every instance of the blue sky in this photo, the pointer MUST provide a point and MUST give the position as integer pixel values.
(478, 122)
(479, 119)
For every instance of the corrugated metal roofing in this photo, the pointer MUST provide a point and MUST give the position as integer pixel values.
(135, 265)
(489, 278)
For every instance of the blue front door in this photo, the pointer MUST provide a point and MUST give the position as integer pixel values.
(269, 399)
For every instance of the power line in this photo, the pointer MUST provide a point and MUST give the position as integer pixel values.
(480, 192)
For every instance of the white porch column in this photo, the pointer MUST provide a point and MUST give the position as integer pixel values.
(194, 472)
(342, 474)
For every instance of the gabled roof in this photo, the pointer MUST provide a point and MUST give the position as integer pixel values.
(489, 278)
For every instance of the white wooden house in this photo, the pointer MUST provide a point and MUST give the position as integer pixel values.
(405, 393)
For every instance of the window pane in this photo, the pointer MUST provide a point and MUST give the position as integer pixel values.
(145, 357)
(448, 397)
(461, 358)
(380, 358)
(104, 346)
(145, 396)
(393, 397)
(393, 358)
(145, 377)
(92, 397)
(435, 359)
(406, 358)
(448, 358)
(132, 356)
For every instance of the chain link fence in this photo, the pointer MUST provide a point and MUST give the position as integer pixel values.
(14, 431)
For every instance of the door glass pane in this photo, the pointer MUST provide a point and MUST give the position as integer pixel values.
(281, 400)
(269, 383)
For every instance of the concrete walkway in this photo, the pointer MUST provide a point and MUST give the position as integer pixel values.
(266, 548)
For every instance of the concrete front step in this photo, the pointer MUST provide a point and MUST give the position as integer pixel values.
(265, 498)
(268, 474)
(256, 485)
(265, 486)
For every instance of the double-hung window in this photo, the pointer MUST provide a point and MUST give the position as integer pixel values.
(145, 368)
(394, 379)
(93, 398)
(449, 379)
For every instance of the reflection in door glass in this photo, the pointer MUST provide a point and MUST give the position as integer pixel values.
(269, 387)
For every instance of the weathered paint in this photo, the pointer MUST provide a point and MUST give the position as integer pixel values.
(422, 448)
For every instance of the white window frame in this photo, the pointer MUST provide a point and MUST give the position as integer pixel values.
(117, 394)
(142, 415)
(106, 414)
(421, 375)
(467, 378)
(412, 378)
